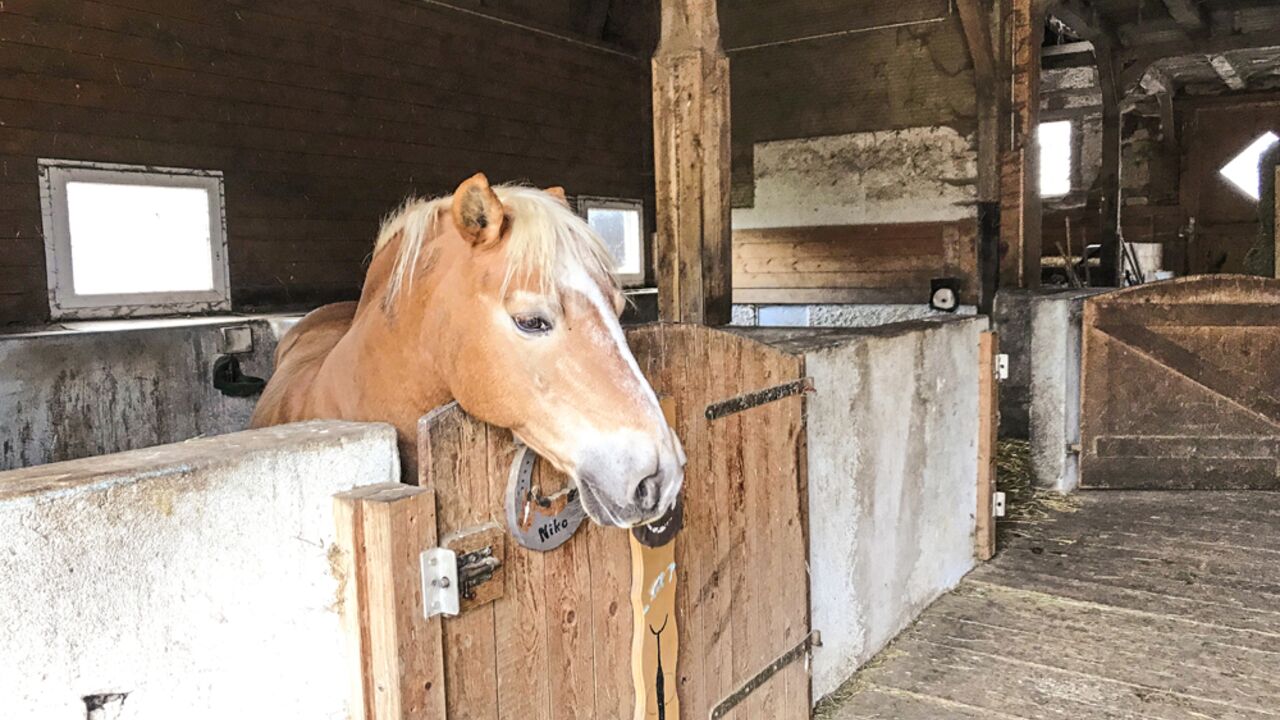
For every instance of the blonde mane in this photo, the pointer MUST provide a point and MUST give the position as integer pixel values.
(547, 240)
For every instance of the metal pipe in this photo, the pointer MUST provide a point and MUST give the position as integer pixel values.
(951, 9)
(529, 28)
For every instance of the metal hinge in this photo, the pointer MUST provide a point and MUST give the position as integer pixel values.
(1002, 366)
(997, 504)
(812, 640)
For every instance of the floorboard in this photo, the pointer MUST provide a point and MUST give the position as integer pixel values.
(1160, 605)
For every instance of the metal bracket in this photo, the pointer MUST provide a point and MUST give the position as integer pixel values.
(439, 582)
(997, 504)
(1002, 366)
(812, 640)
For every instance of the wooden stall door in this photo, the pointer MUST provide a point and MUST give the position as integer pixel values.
(557, 644)
(1226, 219)
(1182, 385)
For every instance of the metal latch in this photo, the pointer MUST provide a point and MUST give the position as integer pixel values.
(475, 569)
(1002, 366)
(997, 504)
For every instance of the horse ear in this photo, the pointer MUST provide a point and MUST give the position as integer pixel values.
(477, 211)
(557, 192)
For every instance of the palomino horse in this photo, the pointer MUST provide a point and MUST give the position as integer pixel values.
(504, 300)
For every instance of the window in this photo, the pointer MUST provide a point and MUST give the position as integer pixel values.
(1055, 158)
(621, 224)
(125, 240)
(1242, 171)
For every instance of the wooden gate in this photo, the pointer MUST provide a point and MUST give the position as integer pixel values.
(1181, 385)
(557, 642)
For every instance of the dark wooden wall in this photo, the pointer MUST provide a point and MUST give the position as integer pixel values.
(323, 115)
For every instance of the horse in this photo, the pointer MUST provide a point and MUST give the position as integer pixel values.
(503, 299)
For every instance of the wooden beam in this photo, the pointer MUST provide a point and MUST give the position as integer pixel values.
(691, 165)
(1083, 18)
(1108, 183)
(1188, 14)
(1227, 71)
(975, 18)
(1136, 61)
(1020, 206)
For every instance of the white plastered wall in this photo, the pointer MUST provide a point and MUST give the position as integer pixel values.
(195, 577)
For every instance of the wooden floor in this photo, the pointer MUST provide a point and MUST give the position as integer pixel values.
(1139, 605)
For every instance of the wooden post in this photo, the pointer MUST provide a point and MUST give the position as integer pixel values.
(397, 654)
(1020, 213)
(1109, 176)
(988, 434)
(691, 165)
(976, 18)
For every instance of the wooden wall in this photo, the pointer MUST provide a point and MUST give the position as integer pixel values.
(323, 115)
(891, 263)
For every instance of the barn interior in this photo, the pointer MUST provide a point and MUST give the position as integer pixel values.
(1023, 253)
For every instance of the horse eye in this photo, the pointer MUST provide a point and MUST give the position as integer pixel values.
(532, 324)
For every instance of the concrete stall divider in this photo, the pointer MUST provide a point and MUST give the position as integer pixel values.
(192, 579)
(892, 456)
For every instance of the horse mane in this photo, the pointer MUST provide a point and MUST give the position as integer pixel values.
(546, 240)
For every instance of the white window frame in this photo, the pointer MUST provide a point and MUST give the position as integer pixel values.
(590, 202)
(64, 302)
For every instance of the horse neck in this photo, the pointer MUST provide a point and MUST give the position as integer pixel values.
(381, 367)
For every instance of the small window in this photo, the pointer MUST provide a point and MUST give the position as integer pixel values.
(1055, 158)
(125, 240)
(621, 224)
(1243, 172)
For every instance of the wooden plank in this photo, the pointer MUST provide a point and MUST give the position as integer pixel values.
(383, 529)
(453, 462)
(786, 296)
(349, 563)
(988, 430)
(870, 280)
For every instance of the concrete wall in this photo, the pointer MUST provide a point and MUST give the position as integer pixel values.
(892, 458)
(1041, 334)
(106, 387)
(923, 174)
(194, 577)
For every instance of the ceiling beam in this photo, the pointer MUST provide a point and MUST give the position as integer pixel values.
(1227, 71)
(1188, 14)
(1083, 18)
(1136, 61)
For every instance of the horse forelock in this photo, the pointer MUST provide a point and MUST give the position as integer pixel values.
(547, 241)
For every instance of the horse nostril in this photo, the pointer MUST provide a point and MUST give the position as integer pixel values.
(647, 495)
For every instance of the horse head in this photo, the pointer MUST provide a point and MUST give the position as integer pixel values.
(517, 313)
